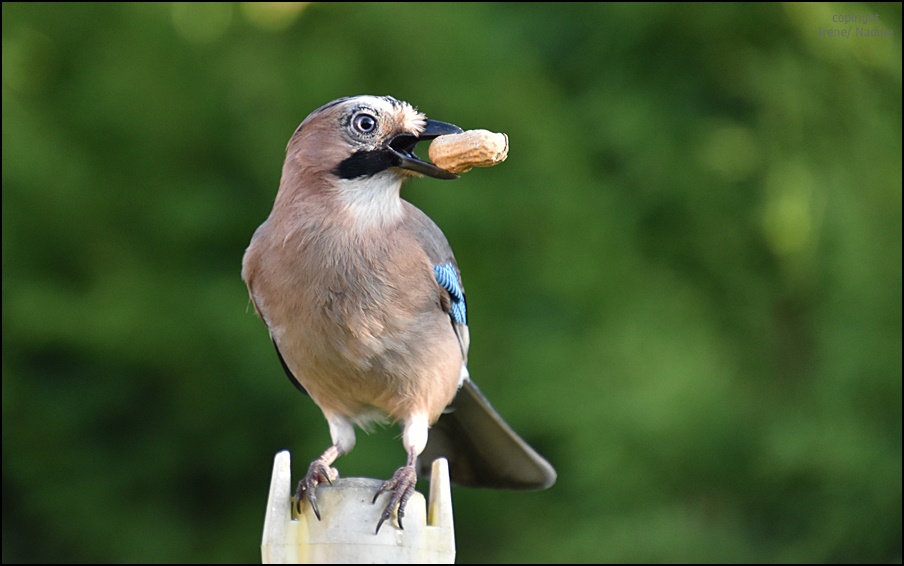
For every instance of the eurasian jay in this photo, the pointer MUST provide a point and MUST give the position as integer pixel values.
(365, 305)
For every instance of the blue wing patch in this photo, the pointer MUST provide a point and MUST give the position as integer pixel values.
(447, 277)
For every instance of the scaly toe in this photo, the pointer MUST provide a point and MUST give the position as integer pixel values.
(401, 488)
(318, 472)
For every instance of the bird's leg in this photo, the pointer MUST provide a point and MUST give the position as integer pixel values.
(319, 471)
(401, 487)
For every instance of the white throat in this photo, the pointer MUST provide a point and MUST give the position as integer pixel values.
(373, 201)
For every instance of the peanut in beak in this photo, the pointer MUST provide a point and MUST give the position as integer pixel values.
(459, 153)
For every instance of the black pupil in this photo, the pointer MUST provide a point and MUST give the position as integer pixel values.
(365, 123)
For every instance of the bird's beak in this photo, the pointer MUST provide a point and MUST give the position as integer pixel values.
(403, 148)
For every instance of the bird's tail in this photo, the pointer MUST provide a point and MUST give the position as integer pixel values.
(482, 449)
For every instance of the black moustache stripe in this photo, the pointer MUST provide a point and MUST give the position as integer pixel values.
(365, 163)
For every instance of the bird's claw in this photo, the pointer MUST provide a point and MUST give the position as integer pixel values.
(401, 487)
(318, 472)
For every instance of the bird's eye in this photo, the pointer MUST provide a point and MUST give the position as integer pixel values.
(364, 123)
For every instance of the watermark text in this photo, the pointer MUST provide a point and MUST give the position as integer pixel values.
(859, 25)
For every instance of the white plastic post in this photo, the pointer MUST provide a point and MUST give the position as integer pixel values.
(345, 535)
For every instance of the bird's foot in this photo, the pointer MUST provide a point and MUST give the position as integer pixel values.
(318, 472)
(401, 488)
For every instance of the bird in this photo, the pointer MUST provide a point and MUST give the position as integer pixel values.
(364, 302)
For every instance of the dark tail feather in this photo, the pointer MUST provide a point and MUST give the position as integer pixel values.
(482, 449)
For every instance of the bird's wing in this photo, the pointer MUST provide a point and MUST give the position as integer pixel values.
(250, 266)
(445, 270)
(289, 373)
(482, 449)
(453, 303)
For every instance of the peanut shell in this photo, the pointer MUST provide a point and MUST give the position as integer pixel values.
(458, 153)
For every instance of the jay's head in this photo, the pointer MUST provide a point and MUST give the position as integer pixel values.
(360, 137)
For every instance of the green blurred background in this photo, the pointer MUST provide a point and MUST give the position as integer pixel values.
(684, 284)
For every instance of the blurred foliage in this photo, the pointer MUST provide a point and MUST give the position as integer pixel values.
(684, 284)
